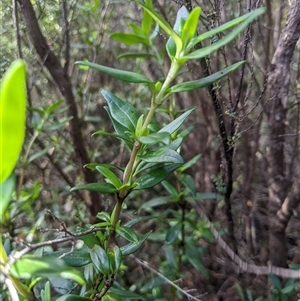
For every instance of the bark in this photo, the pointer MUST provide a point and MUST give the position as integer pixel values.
(60, 76)
(278, 88)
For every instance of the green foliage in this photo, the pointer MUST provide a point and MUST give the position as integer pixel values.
(154, 155)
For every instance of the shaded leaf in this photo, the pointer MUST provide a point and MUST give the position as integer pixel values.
(39, 154)
(6, 189)
(155, 176)
(129, 39)
(133, 247)
(127, 233)
(194, 257)
(162, 155)
(173, 233)
(100, 259)
(135, 55)
(72, 298)
(154, 138)
(125, 294)
(158, 201)
(189, 164)
(74, 259)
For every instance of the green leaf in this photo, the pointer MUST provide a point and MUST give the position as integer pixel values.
(58, 125)
(158, 201)
(147, 19)
(129, 39)
(72, 298)
(137, 220)
(6, 189)
(226, 39)
(227, 25)
(162, 155)
(104, 216)
(133, 247)
(175, 124)
(39, 154)
(100, 260)
(135, 55)
(53, 107)
(29, 266)
(170, 188)
(113, 179)
(102, 187)
(127, 233)
(162, 23)
(121, 111)
(126, 76)
(118, 258)
(172, 46)
(173, 233)
(74, 259)
(154, 138)
(12, 117)
(206, 81)
(189, 164)
(275, 281)
(194, 257)
(155, 176)
(125, 294)
(190, 26)
(201, 196)
(188, 182)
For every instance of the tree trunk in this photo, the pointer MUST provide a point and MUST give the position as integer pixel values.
(278, 88)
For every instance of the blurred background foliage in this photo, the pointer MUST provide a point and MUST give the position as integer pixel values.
(49, 160)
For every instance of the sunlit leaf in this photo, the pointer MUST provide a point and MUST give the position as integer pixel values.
(12, 117)
(147, 19)
(126, 76)
(110, 176)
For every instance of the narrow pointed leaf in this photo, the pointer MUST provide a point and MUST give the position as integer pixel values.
(162, 155)
(126, 76)
(121, 111)
(133, 247)
(129, 39)
(147, 19)
(162, 23)
(6, 189)
(72, 298)
(154, 138)
(252, 15)
(102, 187)
(127, 233)
(189, 164)
(173, 233)
(74, 259)
(226, 39)
(135, 55)
(155, 176)
(125, 294)
(190, 26)
(206, 81)
(175, 124)
(109, 175)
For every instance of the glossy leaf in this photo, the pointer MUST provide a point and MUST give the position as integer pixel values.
(129, 39)
(154, 138)
(118, 258)
(104, 216)
(121, 111)
(100, 260)
(29, 266)
(190, 26)
(133, 247)
(74, 259)
(126, 76)
(110, 176)
(127, 233)
(189, 164)
(200, 53)
(162, 155)
(125, 294)
(175, 124)
(72, 298)
(102, 187)
(171, 45)
(206, 81)
(12, 117)
(162, 23)
(155, 176)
